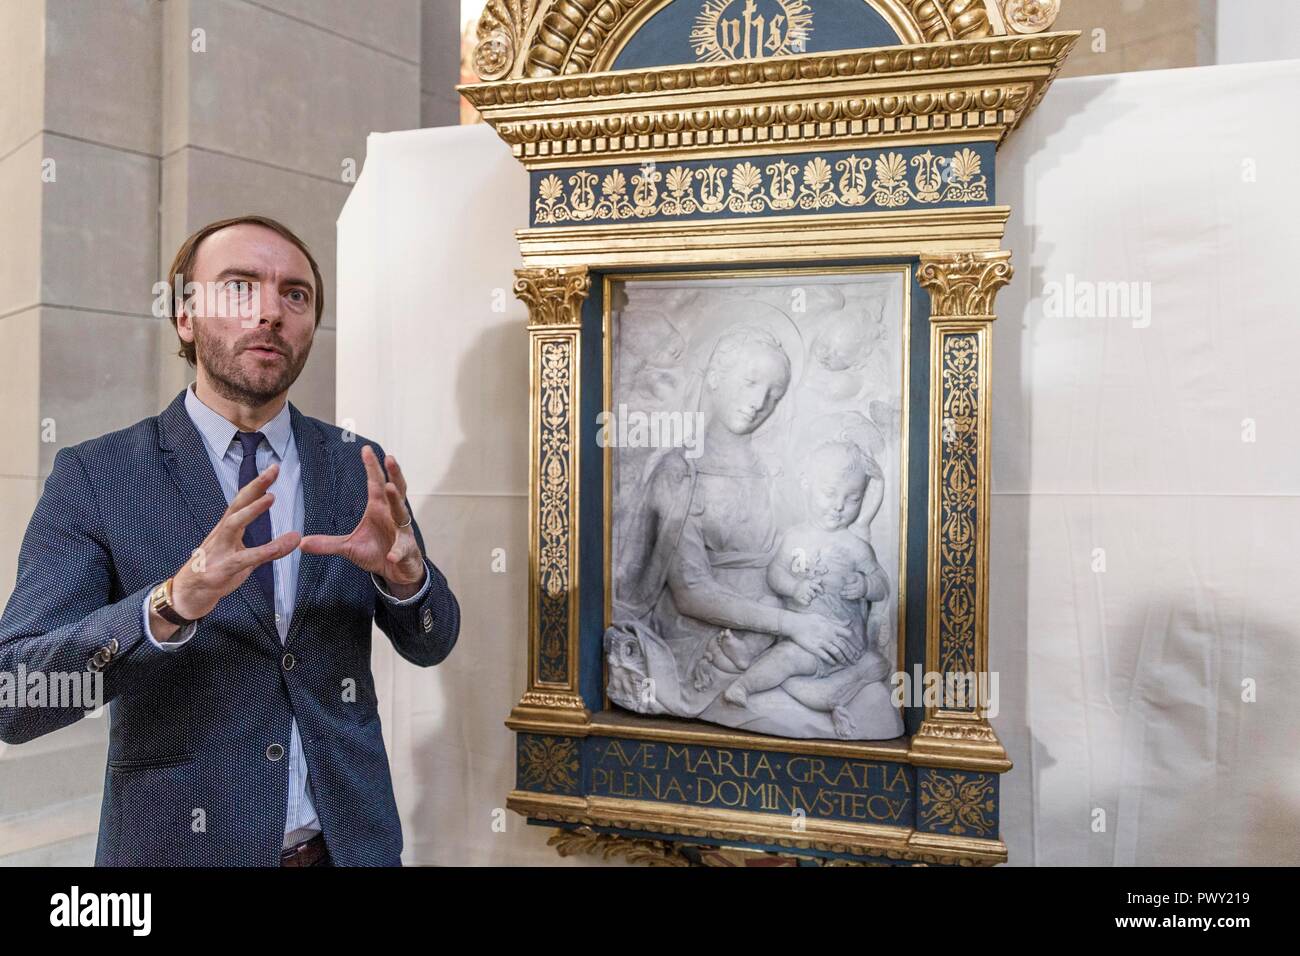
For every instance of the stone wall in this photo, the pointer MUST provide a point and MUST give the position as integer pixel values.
(126, 125)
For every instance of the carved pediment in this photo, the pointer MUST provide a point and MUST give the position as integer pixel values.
(550, 38)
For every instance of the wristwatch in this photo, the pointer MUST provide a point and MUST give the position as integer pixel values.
(160, 602)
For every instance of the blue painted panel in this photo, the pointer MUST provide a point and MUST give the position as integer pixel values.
(918, 491)
(702, 31)
(547, 763)
(957, 802)
(591, 503)
(829, 788)
(776, 184)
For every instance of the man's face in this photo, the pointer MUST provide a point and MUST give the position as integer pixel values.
(254, 318)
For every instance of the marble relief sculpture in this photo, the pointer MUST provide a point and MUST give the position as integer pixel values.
(756, 568)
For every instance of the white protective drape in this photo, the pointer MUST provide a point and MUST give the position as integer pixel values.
(433, 365)
(1145, 469)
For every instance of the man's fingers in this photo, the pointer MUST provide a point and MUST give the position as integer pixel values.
(241, 519)
(322, 543)
(254, 489)
(396, 506)
(395, 476)
(272, 550)
(374, 474)
(374, 478)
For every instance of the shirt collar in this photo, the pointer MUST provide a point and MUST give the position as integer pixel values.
(218, 433)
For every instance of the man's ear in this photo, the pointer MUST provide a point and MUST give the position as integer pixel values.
(184, 325)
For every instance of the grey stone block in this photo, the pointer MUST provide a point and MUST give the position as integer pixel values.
(103, 71)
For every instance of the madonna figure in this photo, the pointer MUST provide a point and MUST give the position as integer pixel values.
(693, 606)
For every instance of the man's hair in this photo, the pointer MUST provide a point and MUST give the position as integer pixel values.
(183, 265)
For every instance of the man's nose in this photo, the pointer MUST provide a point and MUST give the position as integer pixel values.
(270, 310)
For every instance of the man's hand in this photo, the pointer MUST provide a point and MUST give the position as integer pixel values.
(222, 563)
(379, 544)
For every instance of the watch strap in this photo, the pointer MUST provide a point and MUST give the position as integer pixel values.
(161, 603)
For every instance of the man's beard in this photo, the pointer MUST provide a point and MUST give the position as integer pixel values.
(233, 381)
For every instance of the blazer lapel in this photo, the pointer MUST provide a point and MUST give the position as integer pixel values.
(318, 490)
(187, 459)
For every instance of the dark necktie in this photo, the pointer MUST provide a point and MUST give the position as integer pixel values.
(258, 531)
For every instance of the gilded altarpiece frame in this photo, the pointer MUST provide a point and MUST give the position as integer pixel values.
(655, 147)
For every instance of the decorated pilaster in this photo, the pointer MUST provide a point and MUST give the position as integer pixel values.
(956, 731)
(554, 297)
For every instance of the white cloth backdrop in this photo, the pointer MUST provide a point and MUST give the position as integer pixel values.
(1117, 444)
(1121, 689)
(433, 365)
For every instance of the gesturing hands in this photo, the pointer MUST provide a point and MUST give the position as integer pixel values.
(222, 563)
(379, 543)
(383, 542)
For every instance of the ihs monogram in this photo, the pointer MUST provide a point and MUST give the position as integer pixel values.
(724, 30)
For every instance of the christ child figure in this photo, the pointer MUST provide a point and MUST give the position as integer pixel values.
(822, 566)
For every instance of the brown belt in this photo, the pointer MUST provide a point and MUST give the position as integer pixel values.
(309, 853)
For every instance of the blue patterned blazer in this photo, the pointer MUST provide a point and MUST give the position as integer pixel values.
(194, 776)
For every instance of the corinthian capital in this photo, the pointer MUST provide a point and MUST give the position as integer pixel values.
(962, 285)
(554, 295)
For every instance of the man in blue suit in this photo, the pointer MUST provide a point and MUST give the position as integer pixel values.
(219, 567)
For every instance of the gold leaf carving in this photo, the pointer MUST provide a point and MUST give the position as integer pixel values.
(747, 73)
(610, 845)
(500, 34)
(1030, 16)
(745, 190)
(548, 763)
(580, 36)
(958, 802)
(554, 296)
(964, 284)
